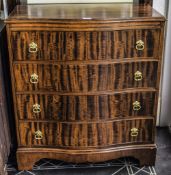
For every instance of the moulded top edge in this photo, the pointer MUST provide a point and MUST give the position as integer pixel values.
(84, 12)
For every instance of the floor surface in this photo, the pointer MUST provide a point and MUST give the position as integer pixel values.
(124, 166)
(163, 160)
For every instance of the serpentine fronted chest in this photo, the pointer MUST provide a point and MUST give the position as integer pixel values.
(85, 81)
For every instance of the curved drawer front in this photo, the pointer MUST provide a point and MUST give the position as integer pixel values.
(86, 135)
(85, 78)
(64, 46)
(86, 108)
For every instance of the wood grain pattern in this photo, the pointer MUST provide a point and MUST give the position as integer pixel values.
(80, 46)
(86, 84)
(27, 157)
(85, 135)
(84, 78)
(85, 108)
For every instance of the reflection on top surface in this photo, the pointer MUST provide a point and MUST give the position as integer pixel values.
(111, 11)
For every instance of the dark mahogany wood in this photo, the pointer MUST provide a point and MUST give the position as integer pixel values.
(85, 77)
(85, 135)
(144, 153)
(84, 46)
(86, 85)
(86, 108)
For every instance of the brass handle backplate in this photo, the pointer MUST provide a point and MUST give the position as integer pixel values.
(34, 78)
(140, 45)
(33, 47)
(138, 76)
(38, 135)
(136, 106)
(36, 108)
(134, 132)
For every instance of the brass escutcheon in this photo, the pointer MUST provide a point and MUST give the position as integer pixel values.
(136, 106)
(134, 132)
(33, 47)
(38, 135)
(36, 108)
(34, 78)
(138, 76)
(140, 45)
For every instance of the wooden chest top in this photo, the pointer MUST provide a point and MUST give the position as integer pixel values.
(85, 12)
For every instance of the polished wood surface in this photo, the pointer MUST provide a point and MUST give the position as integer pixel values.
(85, 46)
(84, 12)
(86, 135)
(26, 156)
(85, 78)
(84, 108)
(89, 104)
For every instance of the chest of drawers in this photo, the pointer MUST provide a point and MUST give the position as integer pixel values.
(85, 81)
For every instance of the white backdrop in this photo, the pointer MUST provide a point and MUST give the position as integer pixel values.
(164, 6)
(75, 1)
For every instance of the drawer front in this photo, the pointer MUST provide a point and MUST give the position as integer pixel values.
(86, 108)
(63, 46)
(84, 135)
(85, 78)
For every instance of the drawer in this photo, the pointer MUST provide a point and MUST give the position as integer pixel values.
(84, 135)
(86, 108)
(85, 77)
(105, 45)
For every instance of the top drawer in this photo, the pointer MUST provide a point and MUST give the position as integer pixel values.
(65, 46)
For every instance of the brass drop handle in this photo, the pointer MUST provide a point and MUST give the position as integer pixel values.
(138, 76)
(33, 48)
(134, 132)
(36, 108)
(38, 135)
(136, 106)
(34, 78)
(140, 45)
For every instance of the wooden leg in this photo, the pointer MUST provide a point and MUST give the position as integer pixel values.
(26, 162)
(148, 158)
(28, 157)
